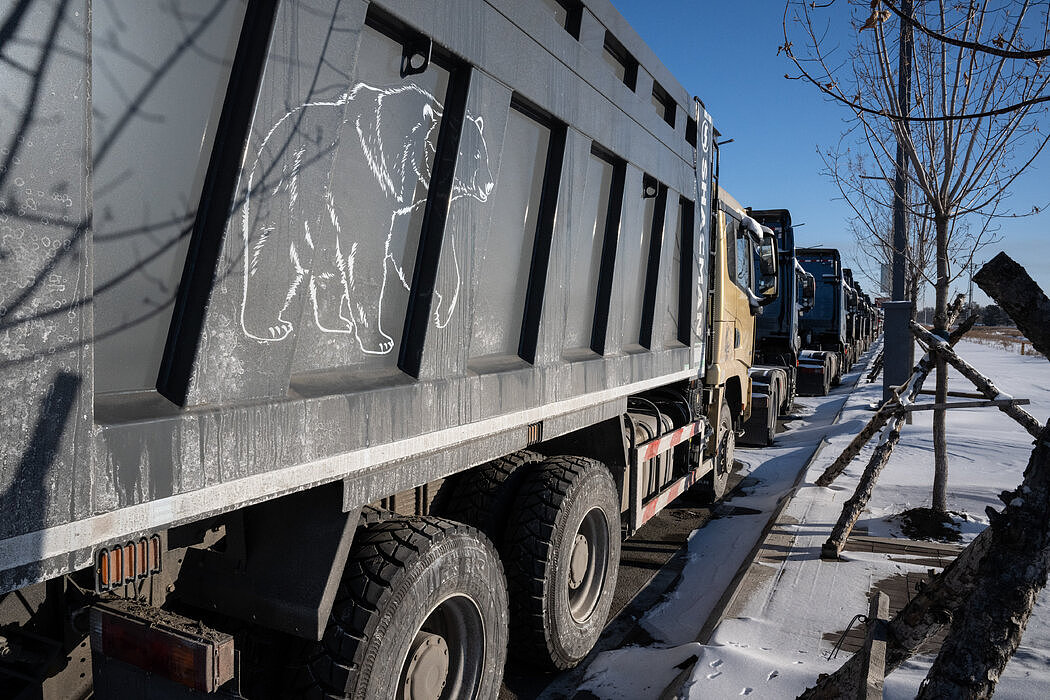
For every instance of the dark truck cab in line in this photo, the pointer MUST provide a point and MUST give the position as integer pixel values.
(860, 327)
(774, 376)
(826, 351)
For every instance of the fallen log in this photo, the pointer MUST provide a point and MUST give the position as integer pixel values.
(914, 384)
(988, 625)
(983, 383)
(852, 509)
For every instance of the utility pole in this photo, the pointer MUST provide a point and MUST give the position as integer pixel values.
(899, 347)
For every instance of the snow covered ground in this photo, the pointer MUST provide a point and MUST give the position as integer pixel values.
(773, 646)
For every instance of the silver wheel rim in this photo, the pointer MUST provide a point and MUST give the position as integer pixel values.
(446, 656)
(588, 565)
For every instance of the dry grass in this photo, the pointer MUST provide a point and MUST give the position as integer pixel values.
(1004, 336)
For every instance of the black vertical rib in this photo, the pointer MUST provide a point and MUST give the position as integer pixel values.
(217, 199)
(685, 274)
(603, 299)
(652, 269)
(541, 248)
(435, 216)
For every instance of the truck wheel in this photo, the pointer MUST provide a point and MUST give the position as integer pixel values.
(725, 449)
(774, 413)
(483, 497)
(563, 555)
(421, 612)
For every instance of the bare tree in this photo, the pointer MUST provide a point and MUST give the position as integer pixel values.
(872, 224)
(970, 129)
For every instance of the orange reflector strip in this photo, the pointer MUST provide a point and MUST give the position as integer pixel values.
(129, 562)
(142, 557)
(103, 567)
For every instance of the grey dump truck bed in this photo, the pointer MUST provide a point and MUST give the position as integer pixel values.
(250, 248)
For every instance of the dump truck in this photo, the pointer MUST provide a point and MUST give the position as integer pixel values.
(774, 376)
(826, 350)
(343, 342)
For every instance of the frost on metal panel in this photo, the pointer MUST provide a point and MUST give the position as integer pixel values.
(45, 365)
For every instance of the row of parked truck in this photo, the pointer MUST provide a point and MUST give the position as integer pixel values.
(820, 324)
(343, 343)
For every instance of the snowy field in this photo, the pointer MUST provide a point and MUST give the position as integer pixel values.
(772, 647)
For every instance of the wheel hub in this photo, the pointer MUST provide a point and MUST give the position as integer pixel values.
(427, 667)
(581, 554)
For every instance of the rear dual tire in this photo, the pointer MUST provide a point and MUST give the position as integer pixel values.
(421, 613)
(562, 554)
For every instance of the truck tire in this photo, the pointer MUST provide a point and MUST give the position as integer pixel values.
(483, 497)
(725, 449)
(774, 413)
(421, 611)
(563, 556)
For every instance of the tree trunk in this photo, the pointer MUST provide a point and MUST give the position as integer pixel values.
(987, 628)
(940, 328)
(1019, 296)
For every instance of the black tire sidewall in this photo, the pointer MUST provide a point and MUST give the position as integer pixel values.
(719, 481)
(774, 411)
(460, 563)
(572, 640)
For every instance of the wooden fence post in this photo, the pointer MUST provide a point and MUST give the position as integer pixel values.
(875, 648)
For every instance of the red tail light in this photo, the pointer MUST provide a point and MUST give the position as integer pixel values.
(163, 643)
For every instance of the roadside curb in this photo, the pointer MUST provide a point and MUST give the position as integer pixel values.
(735, 587)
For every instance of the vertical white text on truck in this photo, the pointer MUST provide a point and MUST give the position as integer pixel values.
(344, 342)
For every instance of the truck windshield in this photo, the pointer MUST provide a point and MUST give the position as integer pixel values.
(823, 311)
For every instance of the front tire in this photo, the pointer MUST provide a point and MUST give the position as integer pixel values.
(725, 450)
(421, 612)
(563, 556)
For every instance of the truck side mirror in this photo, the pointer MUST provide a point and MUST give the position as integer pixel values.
(768, 287)
(809, 291)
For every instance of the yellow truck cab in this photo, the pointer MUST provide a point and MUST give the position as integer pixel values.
(743, 280)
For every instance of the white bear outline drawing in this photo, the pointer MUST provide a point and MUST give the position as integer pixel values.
(326, 253)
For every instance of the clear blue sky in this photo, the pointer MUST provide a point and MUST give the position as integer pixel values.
(726, 54)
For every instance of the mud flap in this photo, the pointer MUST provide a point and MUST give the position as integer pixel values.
(756, 428)
(281, 565)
